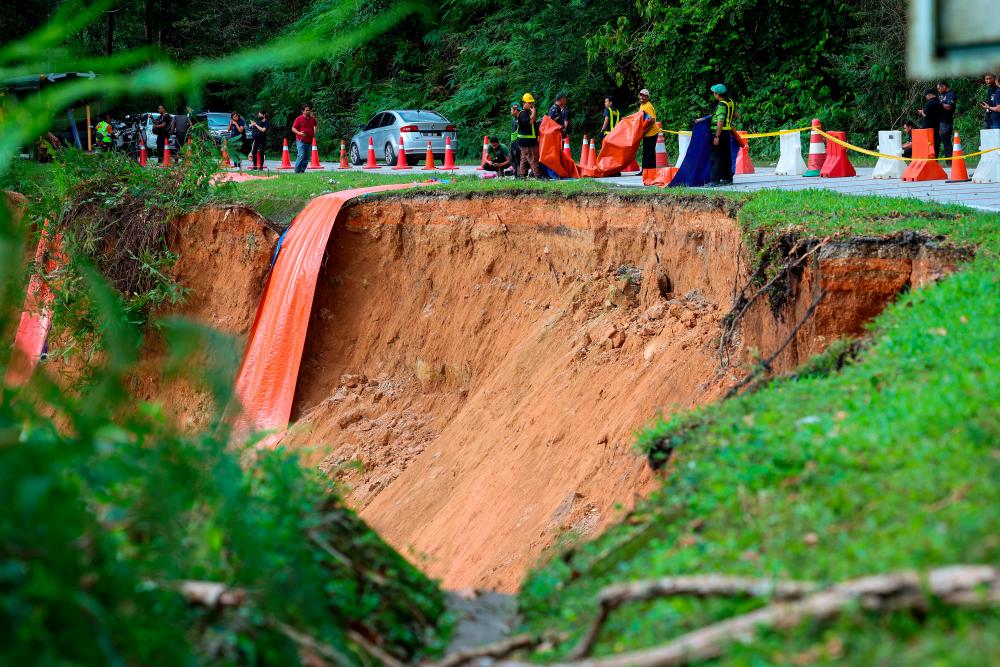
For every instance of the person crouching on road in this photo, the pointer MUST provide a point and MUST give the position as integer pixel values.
(515, 149)
(652, 130)
(722, 125)
(908, 127)
(527, 138)
(304, 128)
(497, 158)
(559, 112)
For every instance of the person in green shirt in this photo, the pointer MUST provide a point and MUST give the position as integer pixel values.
(515, 150)
(722, 126)
(497, 158)
(105, 133)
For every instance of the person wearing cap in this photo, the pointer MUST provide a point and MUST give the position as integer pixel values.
(948, 103)
(560, 113)
(722, 125)
(611, 116)
(652, 130)
(515, 150)
(527, 138)
(931, 113)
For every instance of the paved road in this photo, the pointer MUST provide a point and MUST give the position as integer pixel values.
(985, 196)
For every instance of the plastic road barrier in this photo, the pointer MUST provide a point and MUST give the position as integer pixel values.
(790, 162)
(265, 385)
(891, 143)
(838, 164)
(924, 167)
(988, 170)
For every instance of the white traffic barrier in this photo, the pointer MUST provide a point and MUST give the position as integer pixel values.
(790, 162)
(988, 170)
(891, 143)
(683, 141)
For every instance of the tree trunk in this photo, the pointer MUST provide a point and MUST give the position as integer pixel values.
(111, 33)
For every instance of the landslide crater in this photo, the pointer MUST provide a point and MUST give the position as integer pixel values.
(487, 359)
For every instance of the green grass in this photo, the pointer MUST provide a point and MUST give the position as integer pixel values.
(892, 462)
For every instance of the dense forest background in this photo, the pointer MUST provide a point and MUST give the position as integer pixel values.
(785, 61)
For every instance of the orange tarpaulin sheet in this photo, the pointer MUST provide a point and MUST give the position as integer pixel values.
(550, 150)
(619, 147)
(36, 318)
(265, 385)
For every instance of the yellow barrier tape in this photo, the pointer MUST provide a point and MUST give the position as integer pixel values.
(897, 157)
(776, 133)
(676, 131)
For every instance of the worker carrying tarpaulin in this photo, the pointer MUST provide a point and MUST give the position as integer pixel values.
(620, 146)
(696, 169)
(550, 143)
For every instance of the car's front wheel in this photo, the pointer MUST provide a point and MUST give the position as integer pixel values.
(390, 156)
(355, 155)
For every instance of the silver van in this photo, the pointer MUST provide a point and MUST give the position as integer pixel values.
(415, 126)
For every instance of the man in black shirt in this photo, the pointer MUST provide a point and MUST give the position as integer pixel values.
(908, 127)
(931, 113)
(948, 101)
(161, 129)
(991, 119)
(179, 127)
(527, 138)
(258, 134)
(560, 113)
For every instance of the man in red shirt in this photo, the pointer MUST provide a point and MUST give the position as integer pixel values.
(304, 128)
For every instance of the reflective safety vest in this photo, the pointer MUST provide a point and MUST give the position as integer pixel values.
(102, 130)
(614, 115)
(533, 135)
(727, 123)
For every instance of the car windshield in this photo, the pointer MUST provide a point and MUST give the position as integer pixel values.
(218, 120)
(421, 117)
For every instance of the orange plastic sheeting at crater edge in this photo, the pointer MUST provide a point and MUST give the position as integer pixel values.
(550, 150)
(265, 385)
(620, 146)
(36, 318)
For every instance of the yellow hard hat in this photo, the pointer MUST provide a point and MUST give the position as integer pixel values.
(527, 97)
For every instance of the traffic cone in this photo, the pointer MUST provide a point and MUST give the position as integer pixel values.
(743, 163)
(838, 164)
(401, 156)
(486, 142)
(449, 156)
(959, 174)
(314, 162)
(429, 159)
(344, 162)
(142, 155)
(661, 152)
(285, 162)
(260, 161)
(566, 149)
(226, 164)
(591, 156)
(584, 151)
(371, 163)
(166, 156)
(817, 150)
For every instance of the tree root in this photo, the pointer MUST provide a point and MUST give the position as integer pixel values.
(496, 650)
(973, 586)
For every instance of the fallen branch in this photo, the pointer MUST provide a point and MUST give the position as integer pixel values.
(972, 586)
(496, 650)
(765, 366)
(612, 597)
(308, 643)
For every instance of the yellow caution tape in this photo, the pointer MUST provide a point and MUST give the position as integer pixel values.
(676, 131)
(897, 157)
(776, 133)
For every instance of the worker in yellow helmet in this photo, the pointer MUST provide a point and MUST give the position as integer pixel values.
(527, 138)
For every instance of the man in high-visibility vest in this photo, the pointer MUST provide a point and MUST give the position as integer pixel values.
(515, 149)
(527, 138)
(611, 116)
(722, 125)
(652, 130)
(104, 133)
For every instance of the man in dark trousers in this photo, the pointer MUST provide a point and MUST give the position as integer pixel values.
(931, 113)
(527, 138)
(948, 101)
(515, 150)
(179, 127)
(161, 129)
(722, 125)
(611, 116)
(559, 112)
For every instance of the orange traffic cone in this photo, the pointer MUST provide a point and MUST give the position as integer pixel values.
(449, 156)
(591, 155)
(486, 143)
(166, 156)
(344, 162)
(817, 150)
(285, 162)
(566, 149)
(371, 163)
(142, 155)
(429, 159)
(959, 174)
(838, 164)
(743, 163)
(401, 156)
(661, 152)
(260, 161)
(226, 164)
(584, 152)
(314, 162)
(924, 167)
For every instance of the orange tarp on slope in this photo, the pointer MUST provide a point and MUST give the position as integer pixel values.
(36, 318)
(550, 150)
(265, 385)
(619, 147)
